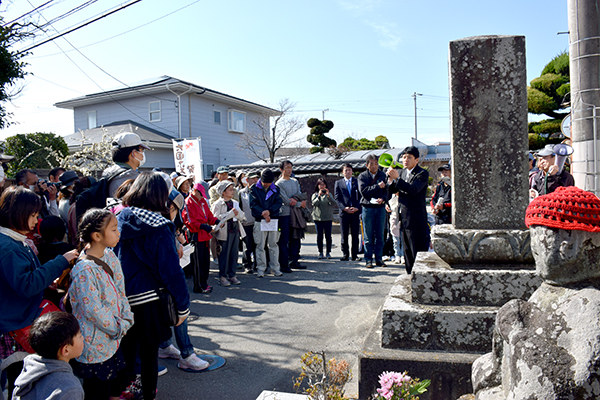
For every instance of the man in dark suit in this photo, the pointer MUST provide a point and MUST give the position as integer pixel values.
(411, 183)
(347, 197)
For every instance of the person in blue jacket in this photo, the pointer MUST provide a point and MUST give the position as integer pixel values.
(150, 262)
(22, 277)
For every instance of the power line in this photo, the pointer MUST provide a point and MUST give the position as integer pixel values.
(64, 15)
(122, 7)
(125, 32)
(374, 114)
(27, 13)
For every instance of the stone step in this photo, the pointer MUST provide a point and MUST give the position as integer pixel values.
(407, 325)
(435, 282)
(449, 372)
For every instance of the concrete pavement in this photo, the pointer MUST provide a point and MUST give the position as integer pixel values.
(263, 326)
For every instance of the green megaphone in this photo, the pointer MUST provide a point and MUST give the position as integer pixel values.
(386, 160)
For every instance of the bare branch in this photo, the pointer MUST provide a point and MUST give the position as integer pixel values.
(272, 133)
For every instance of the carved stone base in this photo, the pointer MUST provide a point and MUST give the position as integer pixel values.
(474, 248)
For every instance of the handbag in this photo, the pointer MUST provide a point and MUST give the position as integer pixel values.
(21, 336)
(169, 311)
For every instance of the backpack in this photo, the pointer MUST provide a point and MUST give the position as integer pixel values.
(95, 196)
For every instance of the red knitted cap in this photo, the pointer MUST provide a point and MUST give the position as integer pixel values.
(568, 208)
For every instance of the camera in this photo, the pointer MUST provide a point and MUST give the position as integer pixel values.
(48, 183)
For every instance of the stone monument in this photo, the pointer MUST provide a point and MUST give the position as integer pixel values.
(437, 321)
(549, 346)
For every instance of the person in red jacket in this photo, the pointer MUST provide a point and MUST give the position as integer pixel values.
(199, 220)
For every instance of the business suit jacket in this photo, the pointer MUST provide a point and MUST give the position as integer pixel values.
(345, 199)
(412, 193)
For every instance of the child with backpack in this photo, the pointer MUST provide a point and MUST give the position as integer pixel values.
(97, 295)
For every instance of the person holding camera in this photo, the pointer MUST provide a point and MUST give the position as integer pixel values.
(323, 202)
(47, 191)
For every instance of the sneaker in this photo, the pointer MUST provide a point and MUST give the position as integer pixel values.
(162, 370)
(207, 289)
(328, 256)
(260, 275)
(224, 281)
(169, 352)
(234, 281)
(386, 258)
(321, 256)
(278, 273)
(369, 264)
(193, 362)
(134, 390)
(380, 264)
(248, 271)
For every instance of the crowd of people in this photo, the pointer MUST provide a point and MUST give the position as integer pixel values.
(117, 268)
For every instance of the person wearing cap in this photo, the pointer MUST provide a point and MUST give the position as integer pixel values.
(372, 187)
(222, 175)
(411, 185)
(229, 232)
(67, 180)
(549, 177)
(199, 220)
(128, 153)
(265, 203)
(248, 253)
(441, 201)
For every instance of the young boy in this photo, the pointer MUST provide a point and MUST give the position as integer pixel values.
(56, 338)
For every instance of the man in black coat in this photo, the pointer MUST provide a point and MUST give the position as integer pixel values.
(347, 197)
(411, 183)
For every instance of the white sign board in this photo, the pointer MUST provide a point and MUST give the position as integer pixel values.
(188, 157)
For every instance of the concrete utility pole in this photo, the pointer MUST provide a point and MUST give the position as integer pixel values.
(584, 25)
(414, 96)
(323, 114)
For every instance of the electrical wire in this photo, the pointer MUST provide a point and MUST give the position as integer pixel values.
(40, 7)
(122, 33)
(65, 15)
(122, 7)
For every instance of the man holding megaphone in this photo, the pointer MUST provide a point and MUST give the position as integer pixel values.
(551, 174)
(411, 185)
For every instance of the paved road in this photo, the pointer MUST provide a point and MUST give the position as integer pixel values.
(264, 326)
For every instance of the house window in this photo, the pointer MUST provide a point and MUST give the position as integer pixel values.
(237, 121)
(91, 119)
(154, 108)
(217, 117)
(208, 170)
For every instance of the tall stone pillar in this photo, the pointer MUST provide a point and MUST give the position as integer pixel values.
(488, 97)
(584, 55)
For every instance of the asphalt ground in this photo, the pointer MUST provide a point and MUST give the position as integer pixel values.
(263, 326)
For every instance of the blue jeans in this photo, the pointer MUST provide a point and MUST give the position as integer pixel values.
(183, 340)
(397, 240)
(374, 225)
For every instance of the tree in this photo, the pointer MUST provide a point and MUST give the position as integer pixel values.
(35, 150)
(93, 157)
(11, 68)
(546, 94)
(272, 132)
(317, 137)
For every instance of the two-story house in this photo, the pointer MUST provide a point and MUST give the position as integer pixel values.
(162, 109)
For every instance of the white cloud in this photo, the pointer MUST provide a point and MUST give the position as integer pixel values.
(388, 34)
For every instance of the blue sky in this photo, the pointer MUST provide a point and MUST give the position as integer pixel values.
(361, 59)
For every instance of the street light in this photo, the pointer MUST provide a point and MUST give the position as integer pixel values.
(414, 96)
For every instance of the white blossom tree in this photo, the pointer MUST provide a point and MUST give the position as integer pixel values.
(92, 158)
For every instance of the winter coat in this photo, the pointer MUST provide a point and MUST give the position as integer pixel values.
(198, 218)
(219, 210)
(149, 259)
(261, 200)
(22, 283)
(322, 206)
(48, 379)
(101, 307)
